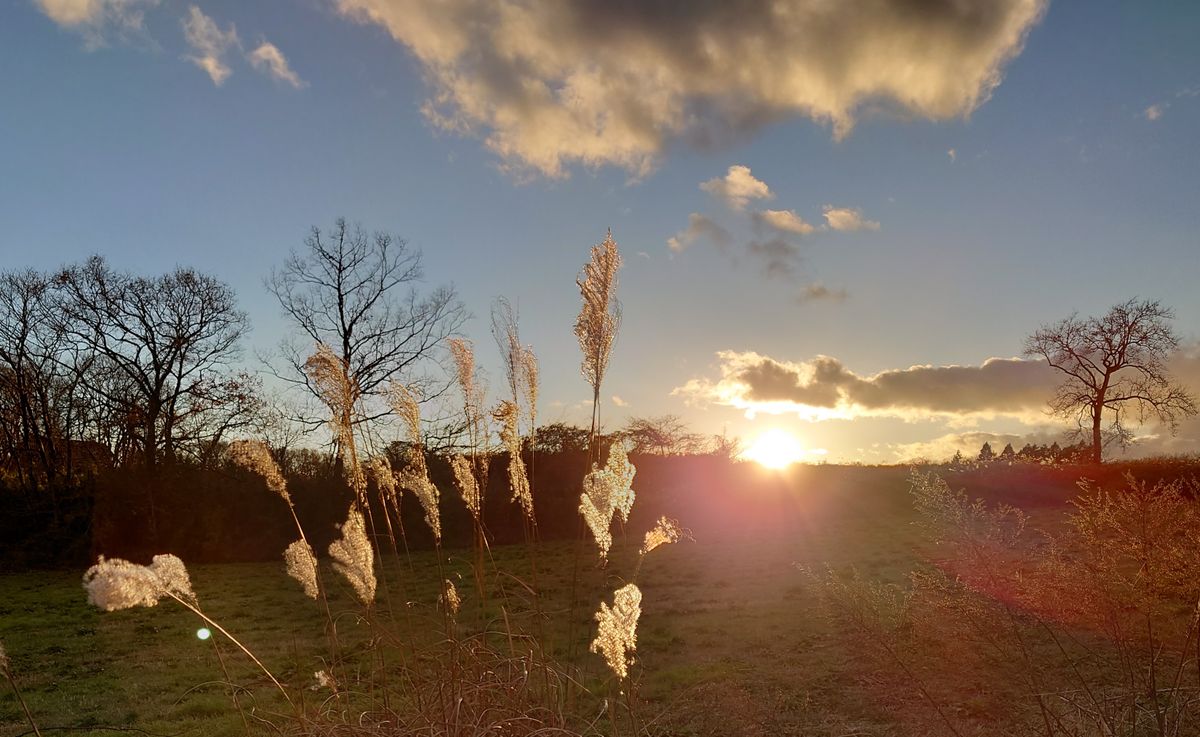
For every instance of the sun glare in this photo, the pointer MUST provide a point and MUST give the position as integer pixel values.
(776, 449)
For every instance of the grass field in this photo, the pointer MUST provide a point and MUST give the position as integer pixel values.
(731, 640)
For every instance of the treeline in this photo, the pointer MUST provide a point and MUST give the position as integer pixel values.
(1032, 453)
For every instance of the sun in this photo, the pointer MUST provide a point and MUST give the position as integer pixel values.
(775, 448)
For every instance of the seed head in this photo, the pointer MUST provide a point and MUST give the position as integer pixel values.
(666, 531)
(449, 597)
(616, 636)
(114, 583)
(302, 566)
(353, 557)
(464, 478)
(254, 456)
(600, 316)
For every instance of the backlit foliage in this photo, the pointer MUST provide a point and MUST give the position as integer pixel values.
(302, 565)
(665, 531)
(600, 316)
(353, 557)
(114, 583)
(616, 636)
(507, 414)
(468, 488)
(607, 491)
(254, 456)
(414, 477)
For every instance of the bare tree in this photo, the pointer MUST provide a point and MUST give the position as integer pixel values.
(665, 436)
(357, 294)
(1113, 364)
(160, 353)
(37, 396)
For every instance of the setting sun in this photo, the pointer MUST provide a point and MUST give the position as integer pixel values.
(775, 448)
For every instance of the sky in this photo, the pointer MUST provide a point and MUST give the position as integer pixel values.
(801, 191)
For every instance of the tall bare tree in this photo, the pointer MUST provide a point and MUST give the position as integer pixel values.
(357, 293)
(1114, 364)
(161, 351)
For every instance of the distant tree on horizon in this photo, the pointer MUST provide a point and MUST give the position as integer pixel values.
(986, 455)
(1111, 364)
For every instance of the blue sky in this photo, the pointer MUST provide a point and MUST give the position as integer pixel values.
(1073, 186)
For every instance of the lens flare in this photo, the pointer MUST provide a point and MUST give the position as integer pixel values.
(203, 633)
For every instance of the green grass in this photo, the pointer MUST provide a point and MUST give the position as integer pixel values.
(730, 634)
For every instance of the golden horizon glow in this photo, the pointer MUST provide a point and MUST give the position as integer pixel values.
(775, 449)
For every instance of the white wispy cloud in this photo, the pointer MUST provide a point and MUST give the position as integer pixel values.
(785, 221)
(268, 59)
(699, 226)
(209, 44)
(737, 187)
(1154, 112)
(96, 20)
(619, 402)
(847, 218)
(551, 83)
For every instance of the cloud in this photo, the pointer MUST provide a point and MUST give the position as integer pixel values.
(619, 402)
(780, 258)
(209, 43)
(847, 218)
(268, 59)
(784, 221)
(818, 291)
(953, 154)
(699, 226)
(1154, 112)
(95, 19)
(737, 187)
(823, 388)
(551, 83)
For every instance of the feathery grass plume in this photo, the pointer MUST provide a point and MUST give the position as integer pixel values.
(518, 482)
(596, 507)
(323, 680)
(665, 532)
(330, 376)
(381, 471)
(449, 597)
(621, 472)
(353, 556)
(529, 363)
(616, 636)
(302, 566)
(406, 406)
(414, 477)
(114, 583)
(254, 456)
(606, 491)
(427, 494)
(465, 480)
(599, 317)
(468, 382)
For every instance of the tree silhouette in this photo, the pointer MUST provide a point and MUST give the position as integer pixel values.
(985, 453)
(1112, 364)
